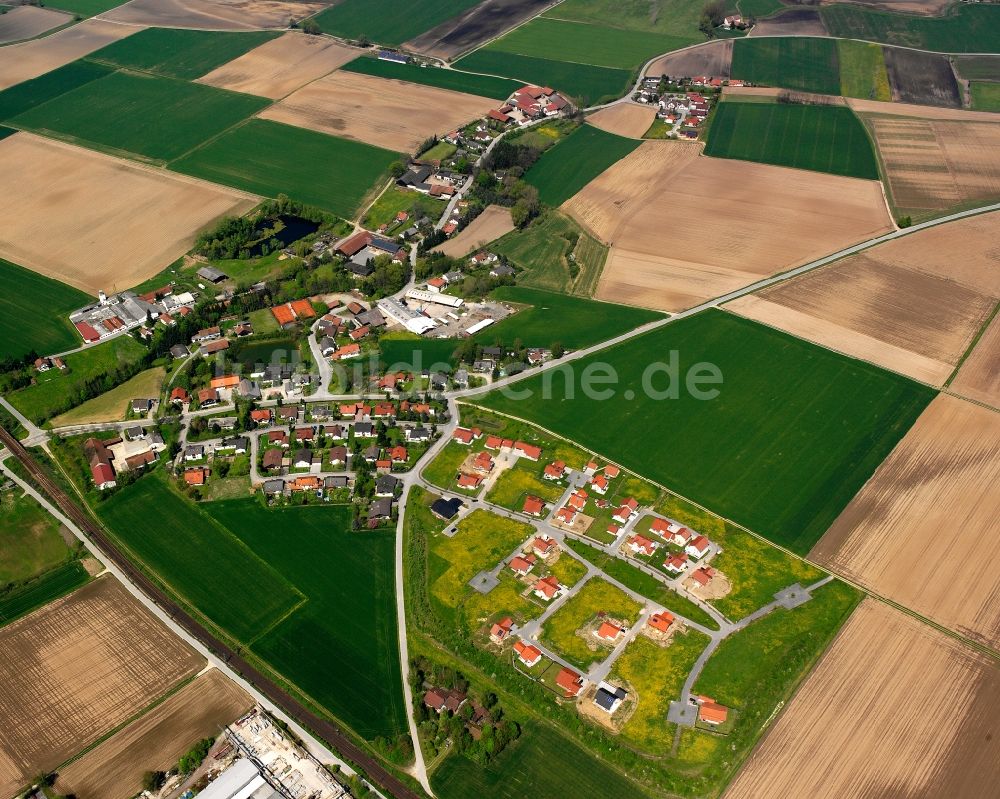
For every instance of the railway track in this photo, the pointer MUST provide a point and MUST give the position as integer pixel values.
(327, 730)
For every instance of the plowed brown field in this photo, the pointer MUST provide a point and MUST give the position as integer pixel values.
(979, 376)
(490, 225)
(684, 228)
(76, 669)
(908, 305)
(895, 709)
(26, 22)
(114, 769)
(625, 119)
(20, 62)
(712, 59)
(922, 531)
(234, 15)
(279, 67)
(98, 222)
(387, 113)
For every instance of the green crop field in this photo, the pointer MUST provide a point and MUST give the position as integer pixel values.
(824, 138)
(30, 543)
(582, 83)
(87, 8)
(672, 17)
(804, 63)
(542, 762)
(977, 67)
(33, 312)
(176, 53)
(201, 561)
(972, 28)
(340, 648)
(270, 158)
(575, 161)
(862, 71)
(456, 80)
(574, 322)
(116, 112)
(393, 22)
(793, 433)
(22, 96)
(985, 96)
(583, 43)
(760, 8)
(413, 353)
(53, 584)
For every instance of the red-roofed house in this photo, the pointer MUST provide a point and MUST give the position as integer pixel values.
(529, 451)
(500, 630)
(542, 545)
(661, 621)
(261, 416)
(554, 471)
(577, 500)
(469, 481)
(609, 632)
(622, 515)
(533, 506)
(462, 435)
(483, 462)
(179, 395)
(493, 442)
(527, 654)
(698, 547)
(703, 576)
(103, 474)
(712, 713)
(676, 563)
(599, 483)
(566, 514)
(195, 477)
(398, 454)
(547, 588)
(570, 682)
(680, 537)
(611, 471)
(522, 565)
(640, 545)
(208, 397)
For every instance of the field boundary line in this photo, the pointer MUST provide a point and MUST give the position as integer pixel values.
(284, 616)
(973, 344)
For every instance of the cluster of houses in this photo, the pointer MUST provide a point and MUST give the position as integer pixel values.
(432, 180)
(125, 311)
(684, 112)
(292, 312)
(528, 104)
(132, 451)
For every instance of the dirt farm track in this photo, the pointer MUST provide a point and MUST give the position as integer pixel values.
(76, 669)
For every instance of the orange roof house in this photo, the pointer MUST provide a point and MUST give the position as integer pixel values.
(470, 481)
(703, 576)
(608, 631)
(195, 477)
(533, 506)
(501, 630)
(522, 565)
(570, 682)
(527, 654)
(712, 712)
(547, 587)
(661, 621)
(529, 451)
(226, 381)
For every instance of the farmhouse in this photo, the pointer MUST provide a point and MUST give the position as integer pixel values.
(527, 654)
(99, 458)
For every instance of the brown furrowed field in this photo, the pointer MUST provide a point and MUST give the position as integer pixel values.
(234, 15)
(477, 25)
(114, 769)
(934, 163)
(26, 22)
(791, 22)
(490, 225)
(279, 67)
(652, 206)
(76, 669)
(908, 305)
(894, 709)
(712, 59)
(624, 119)
(21, 62)
(98, 222)
(979, 377)
(387, 113)
(922, 531)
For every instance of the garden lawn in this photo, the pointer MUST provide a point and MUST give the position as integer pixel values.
(985, 96)
(30, 542)
(972, 28)
(32, 595)
(394, 199)
(574, 322)
(584, 84)
(22, 96)
(199, 560)
(568, 570)
(115, 112)
(33, 312)
(112, 406)
(442, 470)
(177, 53)
(823, 138)
(794, 431)
(862, 71)
(596, 596)
(520, 481)
(345, 633)
(393, 23)
(270, 158)
(575, 161)
(454, 79)
(804, 63)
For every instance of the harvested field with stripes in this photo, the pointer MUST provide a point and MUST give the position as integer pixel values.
(979, 376)
(26, 22)
(233, 15)
(490, 225)
(624, 119)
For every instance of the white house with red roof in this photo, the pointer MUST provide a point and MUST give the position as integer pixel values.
(547, 588)
(500, 630)
(698, 547)
(543, 545)
(522, 564)
(640, 545)
(676, 564)
(527, 654)
(555, 470)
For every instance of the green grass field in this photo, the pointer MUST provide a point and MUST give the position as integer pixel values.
(544, 249)
(393, 23)
(414, 354)
(575, 322)
(542, 763)
(86, 8)
(862, 71)
(176, 53)
(456, 80)
(270, 158)
(393, 200)
(575, 161)
(22, 96)
(340, 648)
(583, 83)
(807, 64)
(793, 433)
(672, 17)
(33, 312)
(30, 542)
(973, 28)
(823, 138)
(760, 8)
(33, 595)
(112, 406)
(597, 596)
(115, 112)
(985, 96)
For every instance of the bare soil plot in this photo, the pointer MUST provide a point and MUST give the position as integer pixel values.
(279, 67)
(233, 15)
(894, 709)
(114, 769)
(21, 62)
(76, 669)
(490, 225)
(388, 113)
(98, 222)
(650, 208)
(933, 164)
(923, 78)
(979, 376)
(712, 59)
(905, 305)
(922, 530)
(793, 22)
(476, 26)
(26, 22)
(624, 119)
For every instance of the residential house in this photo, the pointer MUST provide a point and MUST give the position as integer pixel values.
(142, 406)
(277, 437)
(547, 588)
(609, 632)
(529, 655)
(272, 459)
(179, 396)
(446, 509)
(208, 397)
(543, 546)
(570, 682)
(529, 451)
(676, 564)
(196, 476)
(387, 486)
(338, 456)
(302, 459)
(194, 452)
(274, 487)
(533, 506)
(500, 630)
(661, 621)
(469, 481)
(555, 470)
(379, 510)
(522, 565)
(698, 547)
(609, 697)
(640, 545)
(703, 576)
